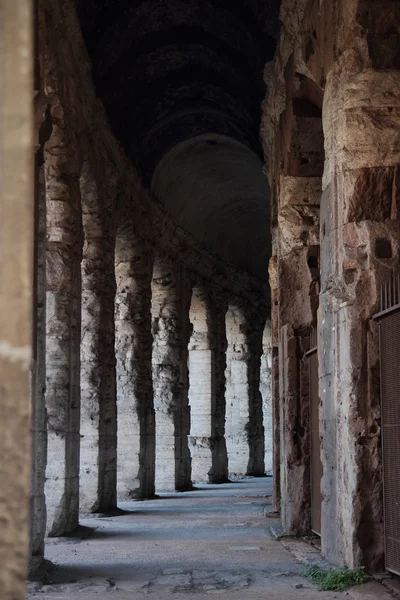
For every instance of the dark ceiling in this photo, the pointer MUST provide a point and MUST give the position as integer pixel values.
(182, 84)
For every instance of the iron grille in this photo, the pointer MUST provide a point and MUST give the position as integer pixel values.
(390, 407)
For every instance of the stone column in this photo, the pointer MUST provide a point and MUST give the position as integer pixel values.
(298, 281)
(254, 334)
(201, 388)
(16, 245)
(98, 460)
(360, 232)
(244, 427)
(133, 346)
(266, 394)
(217, 311)
(63, 330)
(207, 389)
(170, 309)
(276, 454)
(39, 426)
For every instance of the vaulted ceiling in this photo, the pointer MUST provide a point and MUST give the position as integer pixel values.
(182, 84)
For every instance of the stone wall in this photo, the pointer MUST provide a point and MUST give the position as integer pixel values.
(341, 58)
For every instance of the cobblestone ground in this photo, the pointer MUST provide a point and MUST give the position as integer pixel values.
(212, 541)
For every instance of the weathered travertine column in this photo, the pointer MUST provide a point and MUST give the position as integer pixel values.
(360, 232)
(254, 334)
(16, 245)
(39, 425)
(244, 426)
(206, 389)
(98, 460)
(266, 393)
(136, 424)
(217, 312)
(276, 447)
(63, 316)
(170, 310)
(201, 388)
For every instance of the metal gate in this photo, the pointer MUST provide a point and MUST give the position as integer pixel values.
(389, 339)
(316, 464)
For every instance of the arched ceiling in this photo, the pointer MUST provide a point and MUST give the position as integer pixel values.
(182, 84)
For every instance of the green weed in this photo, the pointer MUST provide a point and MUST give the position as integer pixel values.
(335, 579)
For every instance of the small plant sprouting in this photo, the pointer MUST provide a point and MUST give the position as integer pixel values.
(335, 579)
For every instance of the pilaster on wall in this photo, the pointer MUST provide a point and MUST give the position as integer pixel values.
(298, 280)
(171, 291)
(136, 420)
(244, 419)
(360, 245)
(98, 471)
(63, 331)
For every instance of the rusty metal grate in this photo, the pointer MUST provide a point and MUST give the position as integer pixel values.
(390, 407)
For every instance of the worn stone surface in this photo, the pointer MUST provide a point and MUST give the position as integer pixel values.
(207, 346)
(171, 291)
(244, 424)
(136, 424)
(16, 268)
(63, 320)
(98, 429)
(332, 116)
(266, 393)
(211, 542)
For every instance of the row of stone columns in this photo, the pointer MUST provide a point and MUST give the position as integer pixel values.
(135, 362)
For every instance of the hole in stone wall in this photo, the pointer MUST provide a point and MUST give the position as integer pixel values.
(350, 276)
(383, 248)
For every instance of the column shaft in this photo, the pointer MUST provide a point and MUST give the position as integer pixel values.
(171, 298)
(136, 423)
(63, 328)
(98, 461)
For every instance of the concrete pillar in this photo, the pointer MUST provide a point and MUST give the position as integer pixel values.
(266, 393)
(133, 346)
(63, 326)
(360, 232)
(170, 310)
(16, 245)
(244, 427)
(98, 460)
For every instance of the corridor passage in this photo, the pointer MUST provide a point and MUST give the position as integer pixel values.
(213, 541)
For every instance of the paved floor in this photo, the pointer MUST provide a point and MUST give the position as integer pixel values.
(212, 541)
